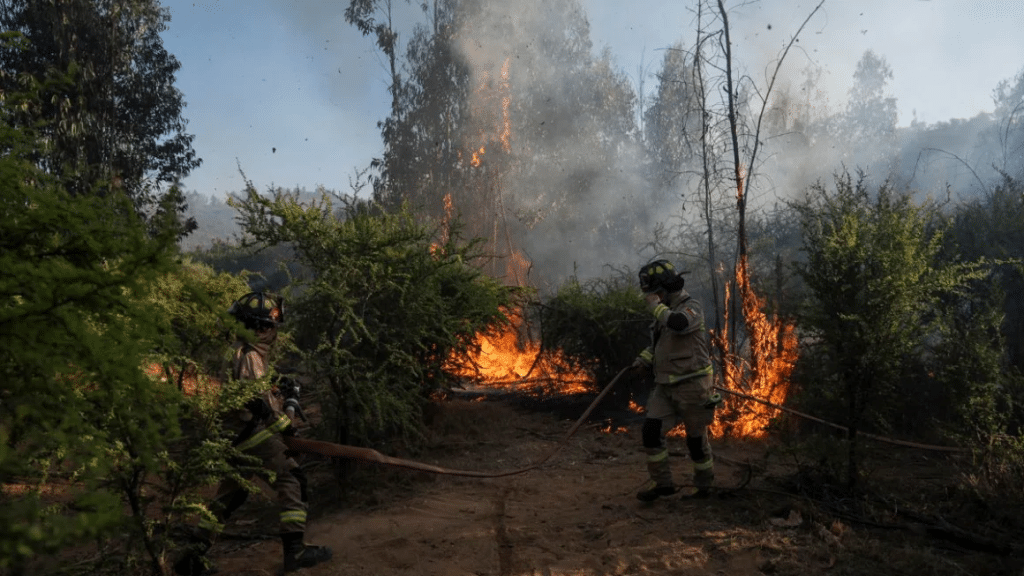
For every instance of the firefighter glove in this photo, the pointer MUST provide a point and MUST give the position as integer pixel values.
(652, 299)
(639, 366)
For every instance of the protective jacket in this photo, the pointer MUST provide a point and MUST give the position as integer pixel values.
(679, 347)
(263, 416)
(257, 427)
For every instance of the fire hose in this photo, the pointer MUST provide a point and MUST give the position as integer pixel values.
(839, 426)
(370, 455)
(331, 449)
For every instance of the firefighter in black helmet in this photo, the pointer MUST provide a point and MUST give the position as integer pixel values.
(257, 429)
(679, 357)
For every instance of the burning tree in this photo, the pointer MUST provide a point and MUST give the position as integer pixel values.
(506, 115)
(726, 158)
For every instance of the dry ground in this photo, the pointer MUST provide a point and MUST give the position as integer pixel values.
(577, 515)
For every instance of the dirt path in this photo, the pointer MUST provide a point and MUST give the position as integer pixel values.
(577, 515)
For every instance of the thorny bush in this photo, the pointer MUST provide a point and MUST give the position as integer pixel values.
(381, 313)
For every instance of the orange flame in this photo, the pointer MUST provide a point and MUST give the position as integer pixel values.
(446, 227)
(511, 360)
(773, 354)
(475, 162)
(191, 381)
(446, 222)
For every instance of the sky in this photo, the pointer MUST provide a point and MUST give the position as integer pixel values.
(290, 94)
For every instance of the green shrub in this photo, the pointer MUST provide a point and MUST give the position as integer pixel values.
(75, 405)
(599, 327)
(382, 311)
(877, 289)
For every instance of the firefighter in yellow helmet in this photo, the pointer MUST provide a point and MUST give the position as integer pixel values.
(679, 356)
(257, 430)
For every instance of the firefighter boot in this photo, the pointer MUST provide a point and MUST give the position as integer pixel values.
(298, 554)
(703, 477)
(660, 483)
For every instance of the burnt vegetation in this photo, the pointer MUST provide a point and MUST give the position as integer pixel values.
(523, 178)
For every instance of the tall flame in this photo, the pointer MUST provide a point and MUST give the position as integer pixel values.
(772, 356)
(511, 359)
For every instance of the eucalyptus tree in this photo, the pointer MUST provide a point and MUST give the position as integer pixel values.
(868, 125)
(1009, 113)
(504, 111)
(109, 116)
(672, 122)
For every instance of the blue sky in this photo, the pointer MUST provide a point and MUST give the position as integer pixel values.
(289, 92)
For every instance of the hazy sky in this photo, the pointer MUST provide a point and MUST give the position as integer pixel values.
(292, 94)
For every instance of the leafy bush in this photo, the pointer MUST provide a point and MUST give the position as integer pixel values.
(992, 473)
(599, 326)
(75, 403)
(876, 292)
(192, 355)
(992, 227)
(270, 269)
(382, 310)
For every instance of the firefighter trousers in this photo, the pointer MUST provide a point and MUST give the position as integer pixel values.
(288, 482)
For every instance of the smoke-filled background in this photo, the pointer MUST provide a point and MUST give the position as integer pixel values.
(551, 145)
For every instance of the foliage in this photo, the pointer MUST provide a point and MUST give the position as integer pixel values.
(94, 302)
(269, 269)
(375, 17)
(76, 406)
(991, 227)
(871, 113)
(428, 113)
(382, 311)
(875, 291)
(194, 350)
(993, 473)
(1009, 131)
(107, 111)
(191, 354)
(672, 123)
(599, 326)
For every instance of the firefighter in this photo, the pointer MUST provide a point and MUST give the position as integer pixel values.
(680, 359)
(257, 430)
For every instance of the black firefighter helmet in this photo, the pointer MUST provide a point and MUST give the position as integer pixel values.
(258, 310)
(660, 275)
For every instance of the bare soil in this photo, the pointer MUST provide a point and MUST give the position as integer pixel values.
(577, 515)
